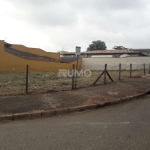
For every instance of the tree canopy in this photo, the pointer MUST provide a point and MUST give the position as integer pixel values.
(97, 45)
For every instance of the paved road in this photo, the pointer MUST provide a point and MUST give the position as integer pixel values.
(120, 127)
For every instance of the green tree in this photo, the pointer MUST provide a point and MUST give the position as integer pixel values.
(97, 45)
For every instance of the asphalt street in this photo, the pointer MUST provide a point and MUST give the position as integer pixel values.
(120, 127)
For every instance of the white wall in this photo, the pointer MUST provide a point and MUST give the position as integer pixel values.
(113, 63)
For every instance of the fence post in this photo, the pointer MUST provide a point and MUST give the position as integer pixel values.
(73, 71)
(76, 72)
(105, 69)
(144, 68)
(149, 68)
(119, 71)
(27, 69)
(130, 70)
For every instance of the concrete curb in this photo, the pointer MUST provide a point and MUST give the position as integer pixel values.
(50, 113)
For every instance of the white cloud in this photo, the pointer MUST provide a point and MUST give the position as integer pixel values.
(52, 25)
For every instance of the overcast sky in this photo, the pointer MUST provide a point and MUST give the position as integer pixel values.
(54, 25)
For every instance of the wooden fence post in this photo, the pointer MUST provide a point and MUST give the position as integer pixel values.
(73, 72)
(105, 69)
(27, 71)
(130, 70)
(144, 68)
(75, 85)
(119, 71)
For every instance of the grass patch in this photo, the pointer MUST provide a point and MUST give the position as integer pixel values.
(39, 82)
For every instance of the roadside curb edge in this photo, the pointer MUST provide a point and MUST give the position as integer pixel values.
(50, 113)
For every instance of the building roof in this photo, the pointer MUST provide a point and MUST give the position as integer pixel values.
(103, 52)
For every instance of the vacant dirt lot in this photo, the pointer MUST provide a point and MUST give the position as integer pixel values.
(42, 82)
(83, 96)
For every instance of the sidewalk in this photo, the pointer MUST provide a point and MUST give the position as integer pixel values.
(66, 99)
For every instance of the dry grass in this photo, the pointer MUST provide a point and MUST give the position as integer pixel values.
(39, 82)
(86, 81)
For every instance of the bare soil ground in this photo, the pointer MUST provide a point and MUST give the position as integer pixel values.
(84, 96)
(42, 82)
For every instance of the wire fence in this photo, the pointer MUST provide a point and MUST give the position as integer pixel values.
(16, 80)
(27, 80)
(117, 72)
(39, 82)
(12, 80)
